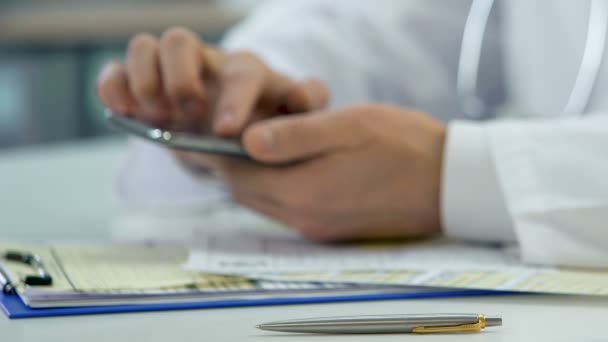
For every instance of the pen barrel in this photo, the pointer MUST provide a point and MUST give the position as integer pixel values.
(377, 324)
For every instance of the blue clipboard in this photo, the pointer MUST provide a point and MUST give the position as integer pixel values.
(14, 308)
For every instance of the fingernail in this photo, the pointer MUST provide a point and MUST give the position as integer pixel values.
(268, 138)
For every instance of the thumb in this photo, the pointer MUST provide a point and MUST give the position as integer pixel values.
(301, 136)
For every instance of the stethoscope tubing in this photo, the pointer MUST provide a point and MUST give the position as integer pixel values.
(476, 24)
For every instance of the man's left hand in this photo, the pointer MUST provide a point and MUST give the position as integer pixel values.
(364, 172)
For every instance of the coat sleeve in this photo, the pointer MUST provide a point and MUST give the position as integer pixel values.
(552, 173)
(400, 52)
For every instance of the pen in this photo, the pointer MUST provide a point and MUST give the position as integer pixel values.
(417, 324)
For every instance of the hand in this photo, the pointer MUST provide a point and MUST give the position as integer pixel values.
(364, 172)
(179, 82)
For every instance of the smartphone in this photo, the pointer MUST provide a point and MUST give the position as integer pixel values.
(177, 140)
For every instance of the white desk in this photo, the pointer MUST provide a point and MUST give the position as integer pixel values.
(65, 192)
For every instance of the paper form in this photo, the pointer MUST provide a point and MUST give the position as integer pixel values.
(103, 268)
(439, 263)
(106, 275)
(257, 251)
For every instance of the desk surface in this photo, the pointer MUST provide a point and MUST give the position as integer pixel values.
(66, 192)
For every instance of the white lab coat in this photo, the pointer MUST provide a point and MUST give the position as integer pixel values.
(540, 179)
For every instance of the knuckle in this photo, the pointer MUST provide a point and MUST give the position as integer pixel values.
(243, 65)
(249, 58)
(246, 54)
(182, 89)
(141, 42)
(176, 37)
(235, 74)
(145, 88)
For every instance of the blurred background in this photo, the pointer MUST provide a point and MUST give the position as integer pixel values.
(51, 51)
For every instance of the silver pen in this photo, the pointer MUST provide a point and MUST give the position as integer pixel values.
(418, 324)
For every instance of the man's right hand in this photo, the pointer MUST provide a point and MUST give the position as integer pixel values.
(177, 81)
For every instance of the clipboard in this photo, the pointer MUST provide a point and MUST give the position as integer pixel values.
(39, 273)
(14, 308)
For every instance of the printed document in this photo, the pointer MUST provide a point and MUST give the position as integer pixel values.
(282, 255)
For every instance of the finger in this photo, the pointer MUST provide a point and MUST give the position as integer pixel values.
(197, 162)
(256, 202)
(145, 81)
(113, 89)
(268, 182)
(302, 136)
(265, 181)
(313, 227)
(242, 80)
(305, 96)
(267, 208)
(182, 59)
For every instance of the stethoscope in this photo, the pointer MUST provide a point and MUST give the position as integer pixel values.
(470, 53)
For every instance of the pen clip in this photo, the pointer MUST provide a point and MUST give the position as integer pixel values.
(473, 327)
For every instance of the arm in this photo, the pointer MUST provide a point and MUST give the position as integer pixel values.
(355, 48)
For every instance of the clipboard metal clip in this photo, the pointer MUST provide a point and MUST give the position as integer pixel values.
(5, 285)
(41, 278)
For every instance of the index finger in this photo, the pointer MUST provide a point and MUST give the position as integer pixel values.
(182, 61)
(242, 81)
